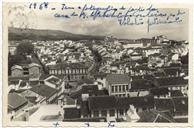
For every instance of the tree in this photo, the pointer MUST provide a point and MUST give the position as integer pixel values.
(25, 48)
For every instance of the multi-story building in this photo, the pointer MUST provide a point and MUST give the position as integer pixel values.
(118, 84)
(108, 108)
(16, 71)
(33, 71)
(73, 71)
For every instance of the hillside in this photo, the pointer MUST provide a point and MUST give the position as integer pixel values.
(36, 34)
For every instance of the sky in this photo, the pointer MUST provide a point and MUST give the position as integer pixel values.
(21, 16)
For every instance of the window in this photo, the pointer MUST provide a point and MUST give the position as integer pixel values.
(123, 88)
(127, 87)
(120, 88)
(74, 71)
(112, 112)
(26, 72)
(104, 113)
(96, 113)
(68, 76)
(112, 88)
(77, 71)
(128, 95)
(116, 88)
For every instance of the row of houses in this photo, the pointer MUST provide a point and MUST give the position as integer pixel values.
(24, 93)
(103, 107)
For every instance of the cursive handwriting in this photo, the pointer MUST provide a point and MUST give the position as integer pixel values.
(150, 16)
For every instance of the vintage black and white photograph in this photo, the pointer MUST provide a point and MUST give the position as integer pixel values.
(97, 63)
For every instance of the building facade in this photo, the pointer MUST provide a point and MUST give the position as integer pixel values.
(32, 70)
(73, 72)
(118, 84)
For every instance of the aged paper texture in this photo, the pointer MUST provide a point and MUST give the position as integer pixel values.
(68, 64)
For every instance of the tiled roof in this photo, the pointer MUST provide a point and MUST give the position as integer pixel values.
(66, 65)
(28, 93)
(172, 71)
(102, 102)
(175, 65)
(15, 100)
(84, 108)
(102, 92)
(44, 90)
(141, 84)
(85, 81)
(70, 101)
(175, 93)
(86, 89)
(164, 104)
(159, 74)
(181, 104)
(146, 116)
(25, 78)
(142, 102)
(171, 81)
(142, 67)
(34, 64)
(136, 77)
(53, 80)
(118, 79)
(32, 100)
(159, 91)
(44, 76)
(16, 67)
(100, 75)
(155, 116)
(90, 89)
(112, 102)
(175, 104)
(23, 84)
(33, 83)
(135, 54)
(123, 102)
(14, 82)
(72, 113)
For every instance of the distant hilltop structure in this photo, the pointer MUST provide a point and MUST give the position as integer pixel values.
(110, 38)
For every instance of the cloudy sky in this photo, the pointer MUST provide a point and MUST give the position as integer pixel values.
(21, 16)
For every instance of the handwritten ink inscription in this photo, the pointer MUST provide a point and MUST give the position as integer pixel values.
(124, 15)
